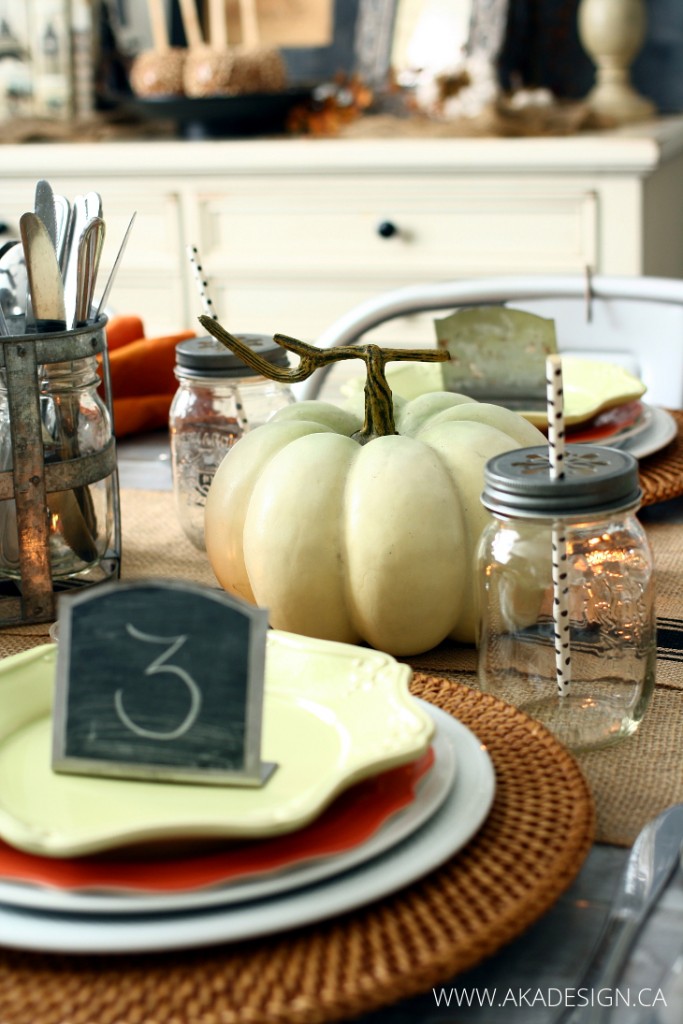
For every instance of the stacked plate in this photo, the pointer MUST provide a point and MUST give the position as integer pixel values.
(603, 405)
(373, 789)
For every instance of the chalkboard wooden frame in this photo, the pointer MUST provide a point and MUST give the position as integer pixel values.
(160, 680)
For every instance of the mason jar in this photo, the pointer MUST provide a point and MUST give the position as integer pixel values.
(574, 647)
(75, 423)
(218, 399)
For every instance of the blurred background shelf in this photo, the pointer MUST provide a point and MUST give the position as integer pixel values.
(219, 116)
(292, 232)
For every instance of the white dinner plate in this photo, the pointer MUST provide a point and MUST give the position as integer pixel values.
(430, 795)
(661, 430)
(461, 815)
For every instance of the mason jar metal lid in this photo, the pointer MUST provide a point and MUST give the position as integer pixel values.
(206, 357)
(596, 479)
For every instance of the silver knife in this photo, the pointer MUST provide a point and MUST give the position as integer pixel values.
(45, 279)
(44, 207)
(654, 858)
(62, 214)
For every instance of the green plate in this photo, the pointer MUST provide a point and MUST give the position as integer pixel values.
(333, 714)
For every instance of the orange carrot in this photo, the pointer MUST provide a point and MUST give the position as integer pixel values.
(121, 330)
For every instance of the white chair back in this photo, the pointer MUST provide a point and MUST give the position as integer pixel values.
(634, 321)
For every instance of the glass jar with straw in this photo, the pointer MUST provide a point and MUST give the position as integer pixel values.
(218, 399)
(567, 622)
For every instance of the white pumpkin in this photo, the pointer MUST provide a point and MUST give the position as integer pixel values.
(359, 542)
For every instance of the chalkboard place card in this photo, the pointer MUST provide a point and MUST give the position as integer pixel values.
(160, 680)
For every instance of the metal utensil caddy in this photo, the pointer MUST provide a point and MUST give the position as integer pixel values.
(31, 480)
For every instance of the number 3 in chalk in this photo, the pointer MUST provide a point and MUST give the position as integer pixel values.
(157, 667)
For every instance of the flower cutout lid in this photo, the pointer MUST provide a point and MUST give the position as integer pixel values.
(206, 357)
(596, 480)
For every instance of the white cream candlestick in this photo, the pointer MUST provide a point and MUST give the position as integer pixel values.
(612, 32)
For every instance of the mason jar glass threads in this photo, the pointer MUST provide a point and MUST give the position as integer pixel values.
(606, 640)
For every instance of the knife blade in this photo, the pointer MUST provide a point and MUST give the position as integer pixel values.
(654, 858)
(44, 207)
(62, 214)
(45, 280)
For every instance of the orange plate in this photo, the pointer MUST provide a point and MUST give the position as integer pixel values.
(606, 424)
(349, 821)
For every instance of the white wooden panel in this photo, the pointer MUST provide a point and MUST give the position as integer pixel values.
(447, 228)
(155, 242)
(304, 310)
(621, 228)
(157, 298)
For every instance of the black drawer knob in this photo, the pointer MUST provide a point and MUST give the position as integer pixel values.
(386, 229)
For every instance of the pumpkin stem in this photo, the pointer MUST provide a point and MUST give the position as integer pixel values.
(379, 409)
(379, 406)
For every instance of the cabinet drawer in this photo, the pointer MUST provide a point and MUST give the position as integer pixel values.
(320, 227)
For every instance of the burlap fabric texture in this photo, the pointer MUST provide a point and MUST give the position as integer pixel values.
(630, 782)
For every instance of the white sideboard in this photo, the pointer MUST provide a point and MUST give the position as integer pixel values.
(288, 229)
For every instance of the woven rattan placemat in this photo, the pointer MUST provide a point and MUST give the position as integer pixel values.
(661, 474)
(529, 850)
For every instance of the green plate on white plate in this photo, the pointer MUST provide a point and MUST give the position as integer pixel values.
(333, 714)
(591, 386)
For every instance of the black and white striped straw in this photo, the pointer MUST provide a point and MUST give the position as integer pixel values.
(209, 309)
(202, 283)
(556, 453)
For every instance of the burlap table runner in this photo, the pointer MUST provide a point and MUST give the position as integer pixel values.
(631, 782)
